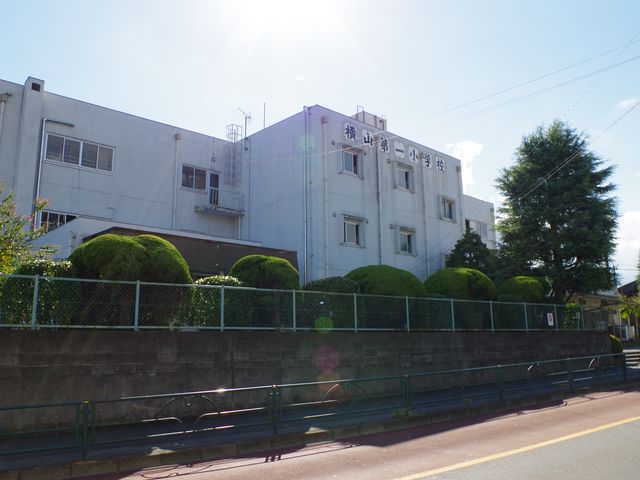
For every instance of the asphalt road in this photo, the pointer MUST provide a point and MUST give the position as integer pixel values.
(596, 436)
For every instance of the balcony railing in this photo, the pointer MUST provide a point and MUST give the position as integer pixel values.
(224, 203)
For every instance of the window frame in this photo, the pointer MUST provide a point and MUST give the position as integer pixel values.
(358, 224)
(447, 205)
(410, 233)
(45, 219)
(355, 161)
(192, 187)
(407, 173)
(81, 153)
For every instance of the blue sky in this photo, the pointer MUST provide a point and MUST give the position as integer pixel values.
(194, 63)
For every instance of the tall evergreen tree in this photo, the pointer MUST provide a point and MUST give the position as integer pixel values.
(471, 252)
(558, 218)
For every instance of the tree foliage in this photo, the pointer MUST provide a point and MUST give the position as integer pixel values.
(559, 219)
(16, 236)
(471, 252)
(386, 280)
(461, 284)
(262, 271)
(119, 257)
(527, 288)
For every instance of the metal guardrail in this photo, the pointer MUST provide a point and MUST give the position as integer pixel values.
(273, 409)
(51, 302)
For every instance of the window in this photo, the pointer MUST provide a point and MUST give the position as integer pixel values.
(52, 220)
(193, 177)
(353, 231)
(350, 161)
(447, 209)
(474, 226)
(404, 177)
(214, 192)
(76, 152)
(406, 240)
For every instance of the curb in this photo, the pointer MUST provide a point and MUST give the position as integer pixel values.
(83, 468)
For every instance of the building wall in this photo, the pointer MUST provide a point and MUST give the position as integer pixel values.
(331, 194)
(479, 211)
(147, 164)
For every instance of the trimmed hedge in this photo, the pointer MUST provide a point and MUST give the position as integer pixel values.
(261, 271)
(386, 280)
(120, 257)
(332, 285)
(205, 303)
(58, 301)
(530, 289)
(461, 284)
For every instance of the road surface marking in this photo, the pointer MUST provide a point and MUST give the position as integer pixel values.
(509, 453)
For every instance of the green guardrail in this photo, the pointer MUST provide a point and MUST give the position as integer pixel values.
(85, 426)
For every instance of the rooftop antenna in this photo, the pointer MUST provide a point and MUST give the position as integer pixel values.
(247, 119)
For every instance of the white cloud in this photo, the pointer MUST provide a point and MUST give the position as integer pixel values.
(467, 151)
(626, 103)
(628, 247)
(299, 77)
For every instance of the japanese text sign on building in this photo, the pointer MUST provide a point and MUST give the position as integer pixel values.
(439, 164)
(384, 145)
(427, 160)
(367, 138)
(398, 148)
(350, 131)
(413, 154)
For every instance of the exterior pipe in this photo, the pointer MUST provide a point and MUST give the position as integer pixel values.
(36, 195)
(3, 99)
(325, 195)
(305, 201)
(174, 202)
(379, 199)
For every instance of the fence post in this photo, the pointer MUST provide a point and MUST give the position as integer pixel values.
(293, 294)
(274, 395)
(555, 313)
(34, 307)
(491, 315)
(623, 359)
(453, 317)
(526, 321)
(222, 308)
(355, 312)
(500, 375)
(136, 311)
(582, 317)
(406, 392)
(85, 429)
(406, 309)
(570, 373)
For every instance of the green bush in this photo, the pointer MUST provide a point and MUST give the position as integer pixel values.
(616, 344)
(205, 302)
(146, 258)
(333, 285)
(386, 280)
(529, 289)
(461, 284)
(261, 271)
(119, 257)
(270, 309)
(58, 300)
(570, 320)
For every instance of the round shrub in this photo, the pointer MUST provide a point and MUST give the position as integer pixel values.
(528, 288)
(261, 271)
(461, 284)
(616, 344)
(120, 257)
(205, 302)
(332, 285)
(386, 280)
(507, 298)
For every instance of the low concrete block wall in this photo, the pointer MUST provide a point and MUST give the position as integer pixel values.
(56, 366)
